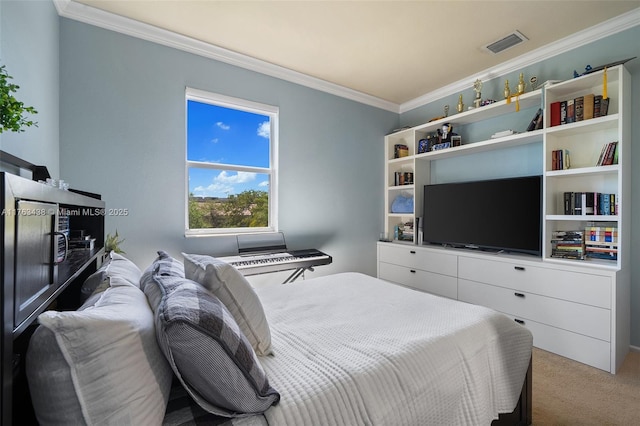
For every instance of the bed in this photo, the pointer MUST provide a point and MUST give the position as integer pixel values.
(343, 349)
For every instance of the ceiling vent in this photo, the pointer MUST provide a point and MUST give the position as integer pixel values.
(506, 42)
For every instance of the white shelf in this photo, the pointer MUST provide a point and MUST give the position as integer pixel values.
(496, 109)
(482, 146)
(583, 171)
(582, 218)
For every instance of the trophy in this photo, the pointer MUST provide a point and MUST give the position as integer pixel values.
(521, 85)
(507, 91)
(477, 87)
(460, 106)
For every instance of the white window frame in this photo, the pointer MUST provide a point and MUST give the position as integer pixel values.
(272, 112)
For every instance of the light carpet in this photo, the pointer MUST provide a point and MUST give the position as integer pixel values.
(566, 392)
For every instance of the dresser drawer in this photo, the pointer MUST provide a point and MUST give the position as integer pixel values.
(585, 349)
(578, 287)
(442, 285)
(575, 317)
(413, 257)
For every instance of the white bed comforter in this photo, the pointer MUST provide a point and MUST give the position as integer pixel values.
(350, 349)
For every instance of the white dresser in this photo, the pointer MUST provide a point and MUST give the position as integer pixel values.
(573, 311)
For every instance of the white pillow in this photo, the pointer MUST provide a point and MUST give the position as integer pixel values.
(233, 289)
(117, 370)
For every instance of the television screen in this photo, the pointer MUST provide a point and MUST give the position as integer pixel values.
(498, 214)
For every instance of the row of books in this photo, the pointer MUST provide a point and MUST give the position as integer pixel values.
(578, 109)
(400, 150)
(574, 245)
(590, 203)
(601, 242)
(602, 234)
(568, 244)
(560, 159)
(609, 154)
(403, 178)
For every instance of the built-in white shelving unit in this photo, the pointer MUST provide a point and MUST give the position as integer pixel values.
(578, 308)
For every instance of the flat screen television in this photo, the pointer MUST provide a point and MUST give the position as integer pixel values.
(498, 214)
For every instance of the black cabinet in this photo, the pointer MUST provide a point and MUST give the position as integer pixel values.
(40, 268)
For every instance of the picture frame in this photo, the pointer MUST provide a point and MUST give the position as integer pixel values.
(456, 140)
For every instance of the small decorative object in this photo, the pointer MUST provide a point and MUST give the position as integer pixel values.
(533, 80)
(12, 111)
(446, 114)
(521, 84)
(507, 91)
(445, 132)
(112, 243)
(456, 140)
(477, 87)
(589, 69)
(460, 106)
(423, 145)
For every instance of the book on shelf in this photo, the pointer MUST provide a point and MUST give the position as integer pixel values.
(536, 121)
(555, 114)
(579, 108)
(601, 242)
(589, 203)
(571, 111)
(600, 106)
(568, 244)
(608, 154)
(587, 106)
(403, 178)
(560, 159)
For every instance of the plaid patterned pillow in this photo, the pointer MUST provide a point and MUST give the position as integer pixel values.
(209, 354)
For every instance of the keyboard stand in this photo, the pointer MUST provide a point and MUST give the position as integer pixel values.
(296, 274)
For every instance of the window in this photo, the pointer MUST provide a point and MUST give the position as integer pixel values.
(231, 165)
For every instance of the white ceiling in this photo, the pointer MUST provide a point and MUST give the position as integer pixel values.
(395, 51)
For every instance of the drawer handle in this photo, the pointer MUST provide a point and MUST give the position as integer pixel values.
(519, 268)
(519, 321)
(413, 271)
(519, 294)
(412, 251)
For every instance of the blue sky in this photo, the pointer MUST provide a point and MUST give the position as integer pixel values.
(227, 136)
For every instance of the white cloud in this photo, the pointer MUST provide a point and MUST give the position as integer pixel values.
(240, 177)
(224, 184)
(223, 126)
(264, 129)
(263, 184)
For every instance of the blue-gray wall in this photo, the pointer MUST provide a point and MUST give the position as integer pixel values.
(29, 49)
(111, 120)
(122, 121)
(529, 159)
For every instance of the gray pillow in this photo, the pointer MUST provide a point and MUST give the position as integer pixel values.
(233, 289)
(115, 265)
(206, 349)
(100, 364)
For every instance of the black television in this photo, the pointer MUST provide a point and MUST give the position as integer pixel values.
(496, 215)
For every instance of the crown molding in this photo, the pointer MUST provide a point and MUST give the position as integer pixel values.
(581, 38)
(99, 18)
